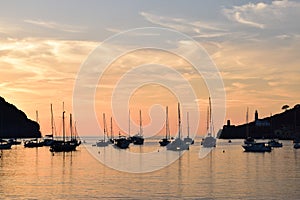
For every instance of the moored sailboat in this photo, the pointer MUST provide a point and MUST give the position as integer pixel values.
(138, 139)
(248, 139)
(209, 141)
(64, 146)
(274, 142)
(122, 142)
(257, 147)
(188, 140)
(166, 140)
(49, 139)
(178, 144)
(103, 142)
(34, 142)
(4, 144)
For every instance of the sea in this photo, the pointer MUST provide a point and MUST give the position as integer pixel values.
(226, 172)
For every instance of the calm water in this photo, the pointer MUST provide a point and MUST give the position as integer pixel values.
(226, 173)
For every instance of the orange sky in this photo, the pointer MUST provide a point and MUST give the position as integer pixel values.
(255, 47)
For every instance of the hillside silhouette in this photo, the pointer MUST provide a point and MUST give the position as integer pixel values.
(285, 125)
(15, 124)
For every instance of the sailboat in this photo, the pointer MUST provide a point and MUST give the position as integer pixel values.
(250, 145)
(248, 140)
(4, 144)
(209, 141)
(122, 142)
(166, 140)
(34, 142)
(138, 139)
(73, 134)
(49, 139)
(178, 144)
(103, 142)
(188, 140)
(111, 140)
(14, 141)
(274, 142)
(63, 146)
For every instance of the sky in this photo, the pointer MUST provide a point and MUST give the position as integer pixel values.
(253, 44)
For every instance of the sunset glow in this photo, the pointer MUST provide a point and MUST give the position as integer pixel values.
(254, 45)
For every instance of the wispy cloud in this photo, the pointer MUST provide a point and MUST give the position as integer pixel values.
(240, 19)
(57, 26)
(263, 15)
(196, 28)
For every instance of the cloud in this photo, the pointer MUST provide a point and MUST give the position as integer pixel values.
(277, 14)
(40, 64)
(238, 18)
(55, 25)
(198, 29)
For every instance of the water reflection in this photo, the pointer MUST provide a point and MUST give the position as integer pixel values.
(230, 174)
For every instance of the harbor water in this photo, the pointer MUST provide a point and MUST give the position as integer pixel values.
(225, 173)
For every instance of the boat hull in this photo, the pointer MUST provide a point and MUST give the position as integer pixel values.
(178, 145)
(63, 147)
(164, 142)
(297, 145)
(30, 144)
(5, 146)
(137, 140)
(257, 147)
(188, 140)
(102, 143)
(122, 143)
(275, 144)
(209, 142)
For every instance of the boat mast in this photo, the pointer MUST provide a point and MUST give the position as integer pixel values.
(141, 129)
(36, 116)
(111, 128)
(129, 122)
(188, 125)
(64, 126)
(71, 127)
(179, 122)
(75, 133)
(207, 121)
(64, 134)
(210, 118)
(104, 126)
(167, 124)
(247, 123)
(52, 126)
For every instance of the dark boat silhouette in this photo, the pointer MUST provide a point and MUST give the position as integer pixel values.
(165, 141)
(122, 142)
(103, 142)
(34, 142)
(178, 144)
(209, 141)
(188, 140)
(138, 139)
(4, 144)
(14, 141)
(257, 147)
(65, 146)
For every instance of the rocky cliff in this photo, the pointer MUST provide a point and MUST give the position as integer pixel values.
(15, 124)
